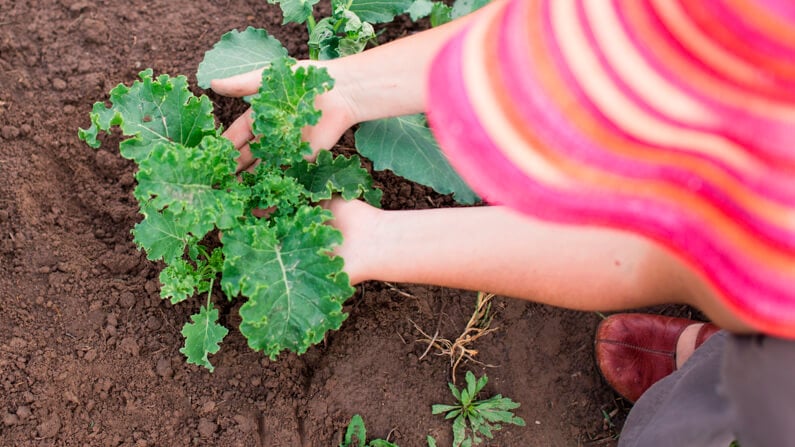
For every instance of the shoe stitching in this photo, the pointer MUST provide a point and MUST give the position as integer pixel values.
(639, 348)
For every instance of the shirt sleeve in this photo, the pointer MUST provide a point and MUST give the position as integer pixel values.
(671, 119)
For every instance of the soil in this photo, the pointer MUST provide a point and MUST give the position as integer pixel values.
(89, 354)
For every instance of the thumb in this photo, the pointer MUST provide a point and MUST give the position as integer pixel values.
(238, 85)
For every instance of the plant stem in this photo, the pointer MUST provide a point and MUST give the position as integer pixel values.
(210, 294)
(314, 53)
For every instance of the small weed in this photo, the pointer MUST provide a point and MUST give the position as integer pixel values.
(475, 418)
(461, 348)
(356, 435)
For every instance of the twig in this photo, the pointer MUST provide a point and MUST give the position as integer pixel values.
(393, 288)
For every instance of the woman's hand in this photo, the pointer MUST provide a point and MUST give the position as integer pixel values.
(338, 114)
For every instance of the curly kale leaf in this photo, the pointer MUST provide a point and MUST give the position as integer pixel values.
(285, 105)
(202, 337)
(196, 184)
(162, 235)
(295, 288)
(274, 191)
(181, 279)
(152, 111)
(335, 175)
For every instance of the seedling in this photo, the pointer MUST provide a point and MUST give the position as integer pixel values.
(356, 435)
(461, 348)
(348, 29)
(473, 418)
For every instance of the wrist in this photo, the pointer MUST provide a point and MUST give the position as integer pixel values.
(359, 223)
(373, 88)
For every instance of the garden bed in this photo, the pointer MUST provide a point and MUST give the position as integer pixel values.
(89, 353)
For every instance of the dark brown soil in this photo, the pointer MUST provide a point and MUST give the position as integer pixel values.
(89, 354)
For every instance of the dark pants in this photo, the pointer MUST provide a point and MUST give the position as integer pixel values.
(732, 388)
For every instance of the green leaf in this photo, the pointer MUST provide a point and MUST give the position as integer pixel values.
(441, 14)
(355, 41)
(202, 337)
(381, 443)
(178, 281)
(464, 7)
(337, 175)
(356, 430)
(295, 289)
(454, 390)
(273, 189)
(459, 431)
(284, 105)
(441, 408)
(196, 184)
(420, 9)
(323, 41)
(297, 11)
(379, 11)
(237, 53)
(406, 146)
(431, 441)
(161, 234)
(152, 111)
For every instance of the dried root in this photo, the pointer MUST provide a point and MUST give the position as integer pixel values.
(461, 348)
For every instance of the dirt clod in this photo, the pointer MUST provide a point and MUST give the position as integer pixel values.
(10, 419)
(207, 428)
(59, 84)
(50, 427)
(9, 132)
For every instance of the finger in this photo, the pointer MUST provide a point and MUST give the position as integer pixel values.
(239, 132)
(251, 167)
(246, 161)
(238, 85)
(240, 129)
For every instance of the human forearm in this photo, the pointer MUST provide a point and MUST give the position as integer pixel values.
(496, 250)
(391, 79)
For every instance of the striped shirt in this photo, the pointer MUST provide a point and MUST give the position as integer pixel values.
(674, 119)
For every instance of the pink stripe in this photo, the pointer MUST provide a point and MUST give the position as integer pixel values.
(628, 167)
(752, 37)
(767, 139)
(537, 108)
(767, 298)
(785, 9)
(666, 35)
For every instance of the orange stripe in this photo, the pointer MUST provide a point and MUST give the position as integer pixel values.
(717, 89)
(731, 41)
(594, 179)
(764, 21)
(680, 24)
(771, 211)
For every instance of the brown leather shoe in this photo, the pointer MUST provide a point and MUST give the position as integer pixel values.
(634, 351)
